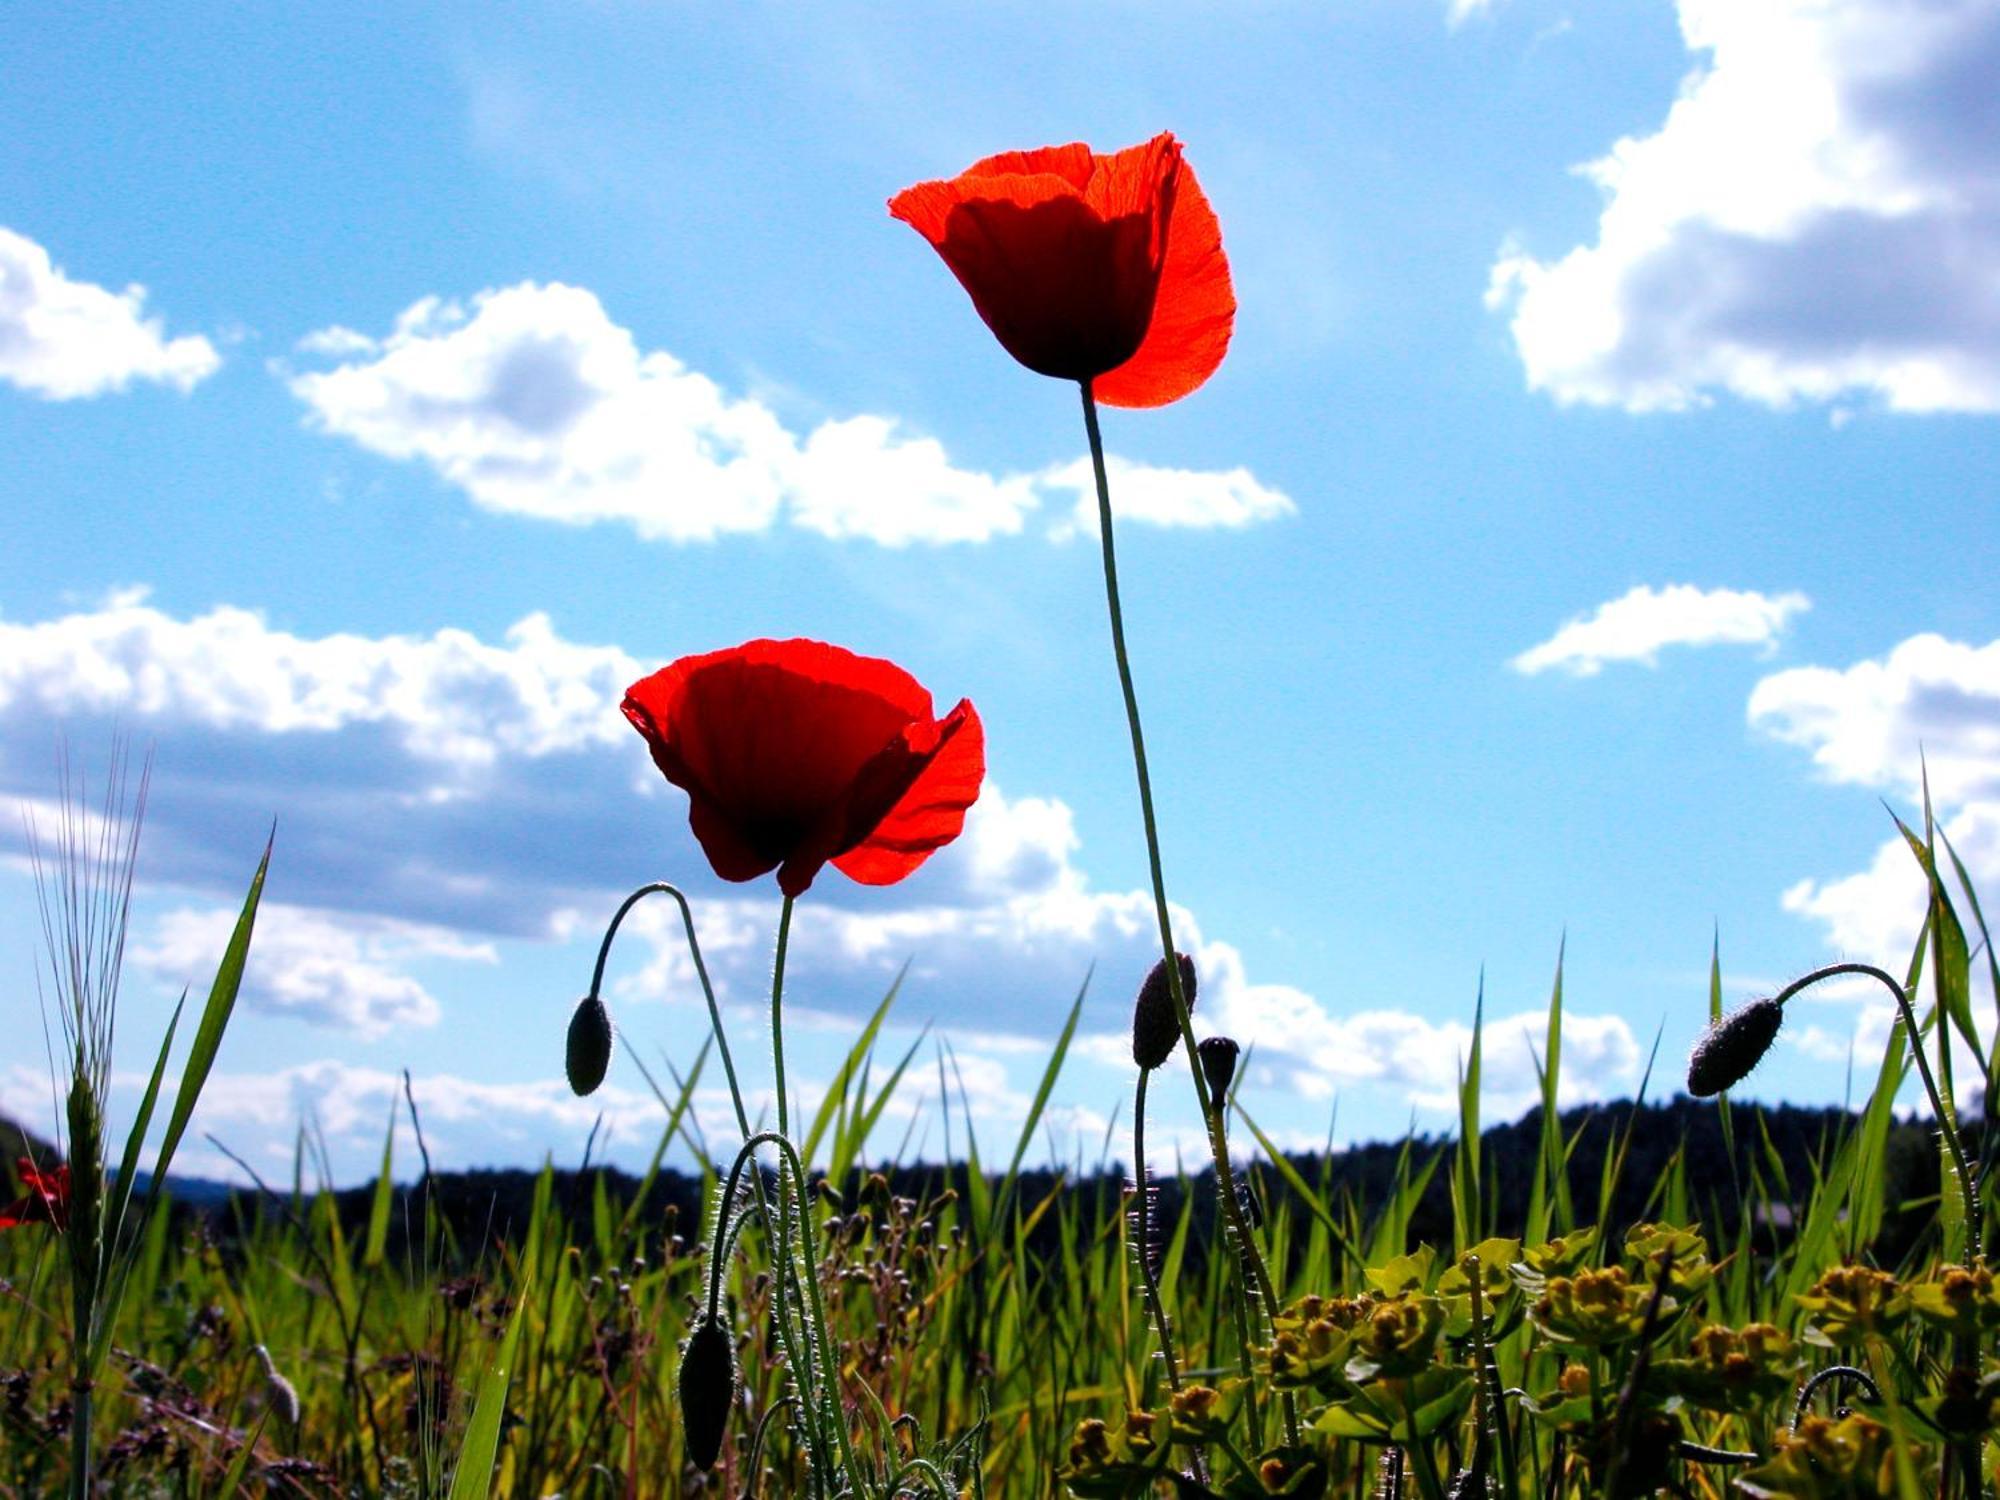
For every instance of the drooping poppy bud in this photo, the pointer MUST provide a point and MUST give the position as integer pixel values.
(1732, 1046)
(588, 1053)
(1155, 1027)
(708, 1390)
(1218, 1066)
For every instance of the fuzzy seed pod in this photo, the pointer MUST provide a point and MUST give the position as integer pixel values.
(588, 1054)
(281, 1397)
(1156, 1029)
(1732, 1046)
(1218, 1066)
(708, 1391)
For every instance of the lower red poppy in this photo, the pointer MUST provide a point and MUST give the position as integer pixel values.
(796, 754)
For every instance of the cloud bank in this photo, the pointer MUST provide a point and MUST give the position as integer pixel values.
(1817, 217)
(533, 402)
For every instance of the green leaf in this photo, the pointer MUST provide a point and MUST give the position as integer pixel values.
(473, 1478)
(378, 1209)
(214, 1021)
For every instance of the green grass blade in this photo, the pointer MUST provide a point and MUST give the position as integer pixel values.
(376, 1244)
(214, 1020)
(473, 1478)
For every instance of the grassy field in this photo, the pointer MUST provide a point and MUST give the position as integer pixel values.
(989, 1332)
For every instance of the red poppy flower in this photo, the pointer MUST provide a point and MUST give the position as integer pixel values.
(796, 753)
(1086, 267)
(45, 1202)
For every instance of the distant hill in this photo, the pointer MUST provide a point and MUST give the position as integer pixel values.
(495, 1203)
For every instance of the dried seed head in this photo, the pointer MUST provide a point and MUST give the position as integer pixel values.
(1218, 1066)
(708, 1390)
(589, 1052)
(1156, 1029)
(1732, 1046)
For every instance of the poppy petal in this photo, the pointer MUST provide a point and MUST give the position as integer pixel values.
(1194, 310)
(791, 752)
(931, 811)
(1074, 163)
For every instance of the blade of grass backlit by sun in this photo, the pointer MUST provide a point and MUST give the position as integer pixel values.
(852, 1138)
(1466, 1209)
(1548, 1183)
(843, 1081)
(214, 1020)
(1042, 1091)
(1992, 963)
(375, 1246)
(472, 1479)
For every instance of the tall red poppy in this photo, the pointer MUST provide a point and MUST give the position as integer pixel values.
(1088, 267)
(796, 753)
(45, 1202)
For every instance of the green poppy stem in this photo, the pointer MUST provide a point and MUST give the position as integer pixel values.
(778, 1015)
(1258, 1277)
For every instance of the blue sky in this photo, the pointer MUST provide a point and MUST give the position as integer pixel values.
(1578, 544)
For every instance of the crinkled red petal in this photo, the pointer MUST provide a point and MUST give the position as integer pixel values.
(1194, 310)
(931, 810)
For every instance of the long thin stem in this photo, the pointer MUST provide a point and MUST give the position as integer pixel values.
(1225, 1182)
(1143, 1224)
(701, 973)
(778, 1016)
(1947, 1126)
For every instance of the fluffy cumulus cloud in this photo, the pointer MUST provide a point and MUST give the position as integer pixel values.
(534, 402)
(1930, 706)
(63, 339)
(330, 969)
(1818, 216)
(1188, 498)
(1637, 625)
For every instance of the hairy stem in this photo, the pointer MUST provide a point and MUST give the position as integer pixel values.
(1225, 1182)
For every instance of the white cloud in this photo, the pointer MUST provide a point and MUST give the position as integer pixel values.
(1818, 215)
(332, 970)
(1929, 705)
(533, 402)
(1638, 624)
(1417, 1059)
(447, 697)
(1188, 498)
(64, 339)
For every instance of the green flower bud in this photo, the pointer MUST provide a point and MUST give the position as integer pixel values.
(1732, 1046)
(1156, 1030)
(708, 1390)
(589, 1051)
(1218, 1066)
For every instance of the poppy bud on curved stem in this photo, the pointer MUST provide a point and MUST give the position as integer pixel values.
(1156, 1029)
(1732, 1046)
(707, 1390)
(587, 1055)
(1218, 1066)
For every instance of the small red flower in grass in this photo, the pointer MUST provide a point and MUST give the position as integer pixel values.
(45, 1202)
(796, 753)
(1087, 267)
